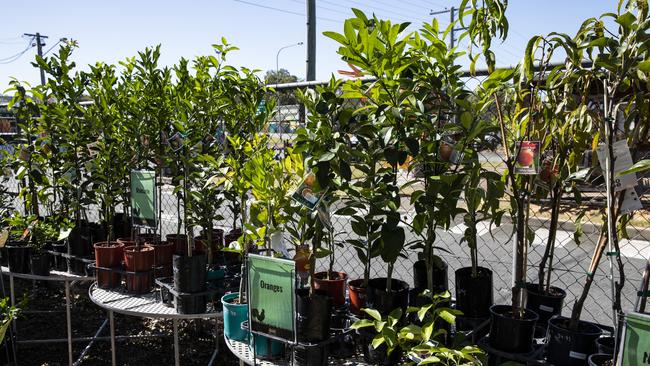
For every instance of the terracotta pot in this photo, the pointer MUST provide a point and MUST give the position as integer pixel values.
(139, 260)
(180, 243)
(108, 255)
(333, 287)
(357, 296)
(164, 254)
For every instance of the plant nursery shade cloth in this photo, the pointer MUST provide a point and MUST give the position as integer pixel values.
(271, 297)
(636, 346)
(143, 198)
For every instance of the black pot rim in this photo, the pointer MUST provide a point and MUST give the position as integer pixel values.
(605, 356)
(553, 322)
(600, 340)
(404, 286)
(356, 284)
(531, 288)
(422, 262)
(501, 310)
(482, 271)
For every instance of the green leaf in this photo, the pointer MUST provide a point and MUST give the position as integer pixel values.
(377, 341)
(373, 313)
(362, 323)
(327, 156)
(447, 316)
(640, 166)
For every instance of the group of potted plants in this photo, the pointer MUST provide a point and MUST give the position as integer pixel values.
(203, 124)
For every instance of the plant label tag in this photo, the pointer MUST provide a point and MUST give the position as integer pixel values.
(577, 355)
(24, 154)
(176, 141)
(622, 161)
(4, 236)
(93, 149)
(528, 155)
(69, 175)
(631, 201)
(307, 193)
(545, 308)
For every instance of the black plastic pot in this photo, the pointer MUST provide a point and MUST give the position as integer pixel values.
(440, 277)
(474, 294)
(40, 264)
(509, 334)
(190, 304)
(80, 240)
(599, 359)
(383, 301)
(377, 356)
(190, 273)
(343, 346)
(545, 305)
(571, 348)
(313, 316)
(18, 257)
(606, 345)
(58, 262)
(310, 355)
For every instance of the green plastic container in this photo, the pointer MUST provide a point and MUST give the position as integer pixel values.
(233, 316)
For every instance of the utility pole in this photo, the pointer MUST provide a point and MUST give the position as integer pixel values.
(311, 40)
(39, 50)
(452, 19)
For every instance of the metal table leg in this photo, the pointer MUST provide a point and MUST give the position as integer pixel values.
(177, 357)
(112, 326)
(68, 321)
(14, 326)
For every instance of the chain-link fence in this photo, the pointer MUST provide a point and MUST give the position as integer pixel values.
(495, 244)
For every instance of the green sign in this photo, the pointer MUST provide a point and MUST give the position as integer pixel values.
(143, 198)
(271, 283)
(636, 346)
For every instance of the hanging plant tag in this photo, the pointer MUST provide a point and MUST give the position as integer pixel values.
(93, 149)
(24, 154)
(527, 157)
(307, 193)
(143, 199)
(622, 161)
(631, 201)
(176, 141)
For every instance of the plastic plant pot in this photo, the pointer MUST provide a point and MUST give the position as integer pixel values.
(474, 294)
(139, 260)
(357, 295)
(545, 305)
(267, 348)
(333, 287)
(384, 302)
(108, 255)
(569, 347)
(233, 315)
(18, 257)
(510, 334)
(440, 276)
(39, 263)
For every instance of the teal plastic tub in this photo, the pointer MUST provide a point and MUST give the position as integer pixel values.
(233, 316)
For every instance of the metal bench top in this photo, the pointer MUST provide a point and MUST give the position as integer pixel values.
(145, 305)
(54, 276)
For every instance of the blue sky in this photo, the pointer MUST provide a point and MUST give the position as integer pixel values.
(110, 31)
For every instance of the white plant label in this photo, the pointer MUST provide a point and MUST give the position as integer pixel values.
(622, 161)
(631, 202)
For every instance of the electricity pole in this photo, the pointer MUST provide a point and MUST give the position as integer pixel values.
(311, 40)
(39, 50)
(452, 18)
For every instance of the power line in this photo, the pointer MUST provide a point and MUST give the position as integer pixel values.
(389, 11)
(12, 58)
(284, 11)
(324, 8)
